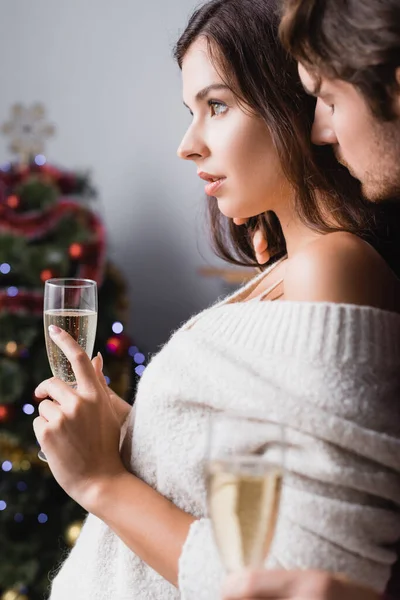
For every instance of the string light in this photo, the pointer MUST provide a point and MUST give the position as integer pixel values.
(117, 327)
(21, 486)
(75, 250)
(42, 518)
(11, 348)
(6, 466)
(46, 274)
(5, 268)
(4, 413)
(3, 505)
(18, 517)
(108, 380)
(40, 160)
(113, 345)
(28, 409)
(13, 201)
(12, 291)
(72, 532)
(139, 358)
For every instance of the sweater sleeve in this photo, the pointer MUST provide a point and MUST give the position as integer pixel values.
(200, 569)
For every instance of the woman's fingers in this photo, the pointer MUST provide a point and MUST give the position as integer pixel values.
(57, 390)
(261, 247)
(51, 418)
(97, 363)
(120, 408)
(49, 411)
(39, 425)
(260, 244)
(80, 362)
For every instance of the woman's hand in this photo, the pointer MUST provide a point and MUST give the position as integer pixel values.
(292, 585)
(121, 408)
(80, 432)
(260, 244)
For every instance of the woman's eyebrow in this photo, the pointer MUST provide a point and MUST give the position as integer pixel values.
(209, 88)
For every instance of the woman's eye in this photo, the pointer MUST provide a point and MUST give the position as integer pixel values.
(217, 108)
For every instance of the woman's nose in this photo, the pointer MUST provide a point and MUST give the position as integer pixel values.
(192, 146)
(322, 132)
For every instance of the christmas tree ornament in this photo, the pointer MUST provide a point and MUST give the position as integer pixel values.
(13, 201)
(46, 274)
(55, 256)
(73, 532)
(28, 130)
(76, 251)
(113, 345)
(5, 413)
(11, 348)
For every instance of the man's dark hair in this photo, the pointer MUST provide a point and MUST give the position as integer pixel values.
(357, 41)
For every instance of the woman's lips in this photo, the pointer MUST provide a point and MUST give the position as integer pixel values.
(212, 187)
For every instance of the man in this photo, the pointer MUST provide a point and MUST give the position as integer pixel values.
(349, 58)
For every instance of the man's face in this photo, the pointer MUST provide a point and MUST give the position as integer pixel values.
(368, 147)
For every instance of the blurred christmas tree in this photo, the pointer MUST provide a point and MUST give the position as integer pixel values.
(47, 229)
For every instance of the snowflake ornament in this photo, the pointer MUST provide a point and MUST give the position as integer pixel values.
(28, 131)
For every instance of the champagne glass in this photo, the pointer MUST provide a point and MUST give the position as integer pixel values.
(70, 304)
(244, 479)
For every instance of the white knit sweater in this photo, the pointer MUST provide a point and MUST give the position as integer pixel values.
(330, 372)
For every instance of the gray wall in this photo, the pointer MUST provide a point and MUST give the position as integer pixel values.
(105, 73)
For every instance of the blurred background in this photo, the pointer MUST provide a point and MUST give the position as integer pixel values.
(90, 185)
(105, 73)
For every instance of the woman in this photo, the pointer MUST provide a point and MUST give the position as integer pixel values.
(312, 341)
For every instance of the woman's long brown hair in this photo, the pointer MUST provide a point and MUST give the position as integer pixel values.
(244, 45)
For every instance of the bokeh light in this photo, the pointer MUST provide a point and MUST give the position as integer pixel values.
(40, 160)
(5, 268)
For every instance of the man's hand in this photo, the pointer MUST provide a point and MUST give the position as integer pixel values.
(292, 585)
(260, 244)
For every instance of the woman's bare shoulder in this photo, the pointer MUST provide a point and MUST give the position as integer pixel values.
(340, 267)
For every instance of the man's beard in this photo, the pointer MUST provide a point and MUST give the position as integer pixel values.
(381, 181)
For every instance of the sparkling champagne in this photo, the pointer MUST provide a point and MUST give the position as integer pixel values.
(244, 509)
(81, 325)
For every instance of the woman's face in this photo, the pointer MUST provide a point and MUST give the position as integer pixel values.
(232, 149)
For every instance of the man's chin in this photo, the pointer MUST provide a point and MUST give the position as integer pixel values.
(371, 193)
(380, 192)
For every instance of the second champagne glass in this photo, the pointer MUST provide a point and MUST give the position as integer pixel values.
(245, 470)
(70, 304)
